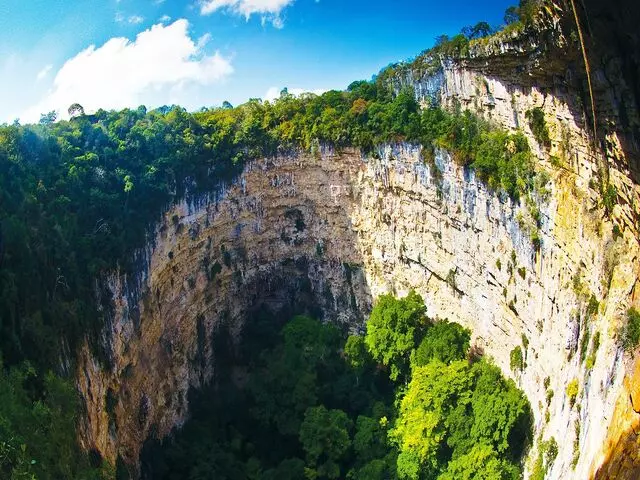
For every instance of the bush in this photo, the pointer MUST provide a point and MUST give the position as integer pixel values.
(630, 334)
(516, 360)
(609, 198)
(538, 126)
(572, 391)
(592, 307)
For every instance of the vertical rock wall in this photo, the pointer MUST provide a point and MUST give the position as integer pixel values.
(338, 230)
(370, 226)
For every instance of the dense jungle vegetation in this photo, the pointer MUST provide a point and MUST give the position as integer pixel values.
(78, 197)
(407, 400)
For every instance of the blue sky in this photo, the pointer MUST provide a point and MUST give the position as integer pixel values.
(118, 53)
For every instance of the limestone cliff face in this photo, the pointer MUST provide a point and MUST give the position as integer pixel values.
(336, 230)
(277, 238)
(343, 230)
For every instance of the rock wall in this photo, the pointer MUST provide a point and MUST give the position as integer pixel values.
(337, 230)
(341, 230)
(277, 238)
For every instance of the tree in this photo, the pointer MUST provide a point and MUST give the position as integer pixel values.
(48, 118)
(501, 412)
(356, 352)
(369, 441)
(393, 330)
(481, 463)
(479, 30)
(444, 341)
(76, 110)
(422, 427)
(325, 437)
(511, 15)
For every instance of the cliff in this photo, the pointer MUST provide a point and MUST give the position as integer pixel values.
(335, 230)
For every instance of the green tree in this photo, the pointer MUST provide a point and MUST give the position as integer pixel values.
(421, 428)
(444, 341)
(394, 328)
(325, 437)
(482, 462)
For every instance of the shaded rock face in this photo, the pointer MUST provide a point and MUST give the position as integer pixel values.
(278, 238)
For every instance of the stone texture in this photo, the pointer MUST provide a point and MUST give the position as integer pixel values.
(393, 227)
(388, 225)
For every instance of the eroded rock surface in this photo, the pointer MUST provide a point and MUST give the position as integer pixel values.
(337, 230)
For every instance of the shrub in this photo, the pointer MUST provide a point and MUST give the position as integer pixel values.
(549, 396)
(538, 126)
(592, 307)
(516, 359)
(572, 391)
(609, 198)
(630, 334)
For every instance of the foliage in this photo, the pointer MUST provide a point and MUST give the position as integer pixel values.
(317, 396)
(460, 406)
(444, 341)
(325, 437)
(592, 306)
(305, 411)
(479, 30)
(609, 198)
(572, 391)
(538, 126)
(37, 434)
(516, 359)
(78, 197)
(394, 329)
(523, 14)
(630, 334)
(595, 345)
(547, 453)
(481, 462)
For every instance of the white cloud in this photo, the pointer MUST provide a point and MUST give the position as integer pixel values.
(163, 63)
(165, 18)
(269, 9)
(135, 19)
(274, 92)
(44, 72)
(132, 19)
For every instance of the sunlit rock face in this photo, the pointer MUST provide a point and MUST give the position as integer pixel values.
(336, 232)
(328, 233)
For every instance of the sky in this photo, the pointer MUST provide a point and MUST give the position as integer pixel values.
(116, 54)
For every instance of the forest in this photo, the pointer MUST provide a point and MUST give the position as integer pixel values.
(78, 197)
(407, 399)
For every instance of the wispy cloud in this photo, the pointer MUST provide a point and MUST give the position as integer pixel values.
(131, 19)
(269, 10)
(161, 64)
(135, 19)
